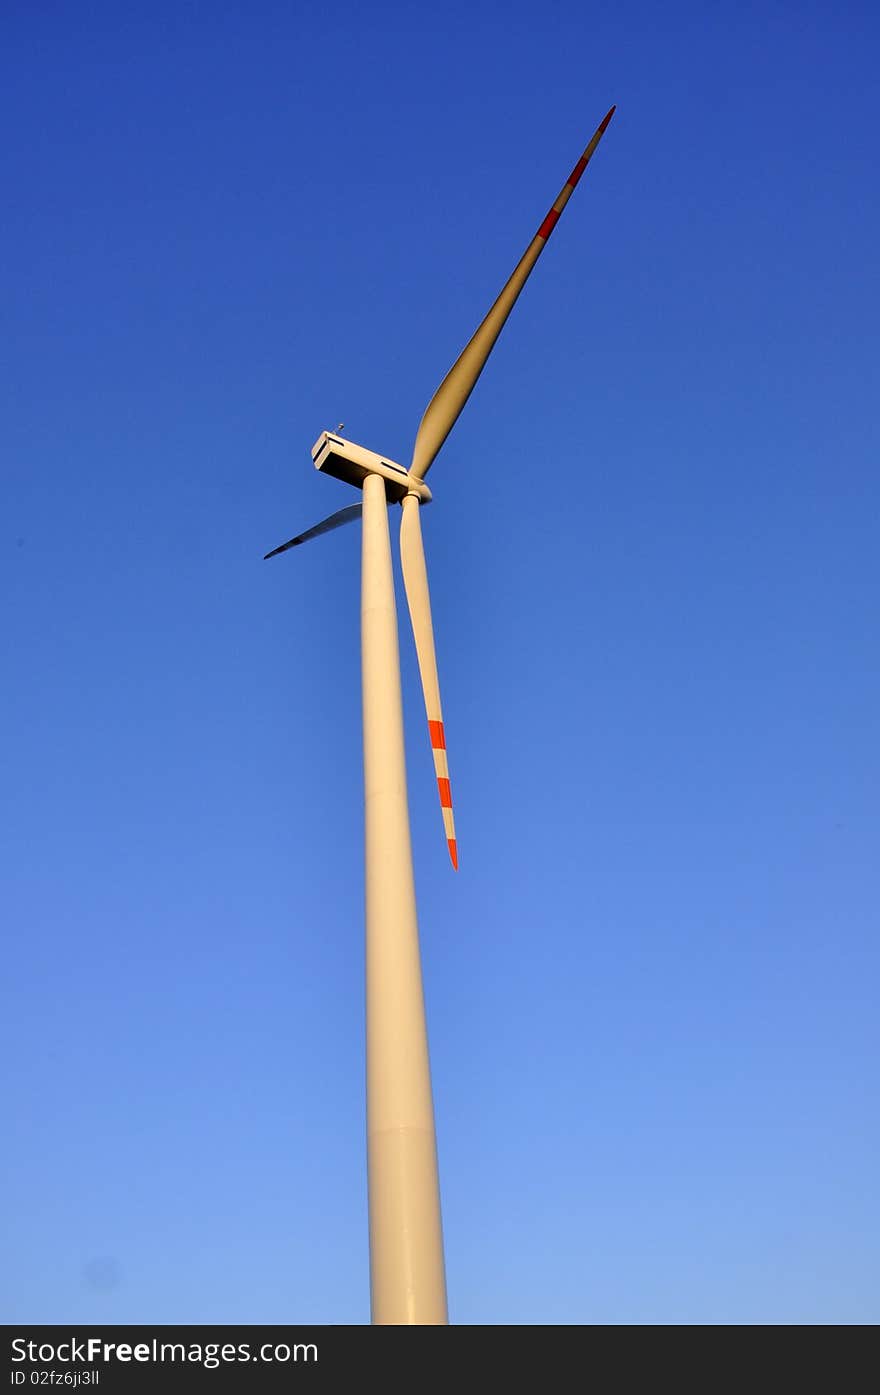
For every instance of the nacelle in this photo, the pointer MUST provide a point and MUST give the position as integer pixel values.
(346, 461)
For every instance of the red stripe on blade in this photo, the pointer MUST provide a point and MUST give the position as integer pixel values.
(577, 172)
(445, 792)
(453, 852)
(438, 740)
(548, 224)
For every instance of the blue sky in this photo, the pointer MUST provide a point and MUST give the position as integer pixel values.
(653, 551)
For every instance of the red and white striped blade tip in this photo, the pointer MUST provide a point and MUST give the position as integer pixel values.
(444, 788)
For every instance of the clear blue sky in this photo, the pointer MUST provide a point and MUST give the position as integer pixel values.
(653, 549)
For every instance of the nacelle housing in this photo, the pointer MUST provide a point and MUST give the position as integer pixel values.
(352, 463)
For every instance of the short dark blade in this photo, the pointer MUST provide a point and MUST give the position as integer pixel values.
(336, 520)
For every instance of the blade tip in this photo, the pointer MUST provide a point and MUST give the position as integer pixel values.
(453, 852)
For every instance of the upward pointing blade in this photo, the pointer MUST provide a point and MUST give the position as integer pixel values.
(446, 404)
(415, 582)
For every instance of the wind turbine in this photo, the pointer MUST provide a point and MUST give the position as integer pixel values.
(407, 1277)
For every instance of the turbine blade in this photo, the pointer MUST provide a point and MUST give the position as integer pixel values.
(336, 520)
(446, 404)
(415, 581)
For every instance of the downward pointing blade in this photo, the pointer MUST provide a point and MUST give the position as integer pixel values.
(415, 581)
(336, 520)
(446, 404)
